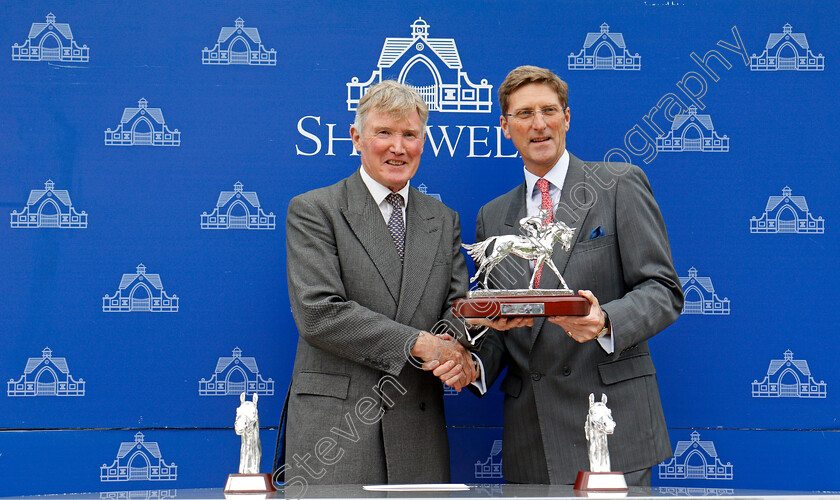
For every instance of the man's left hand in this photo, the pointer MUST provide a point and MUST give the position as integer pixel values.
(582, 328)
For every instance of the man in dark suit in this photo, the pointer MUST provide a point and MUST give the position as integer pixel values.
(373, 264)
(620, 260)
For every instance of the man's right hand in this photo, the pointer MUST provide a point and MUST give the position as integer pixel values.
(446, 358)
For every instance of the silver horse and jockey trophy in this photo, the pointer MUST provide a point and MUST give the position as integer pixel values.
(493, 299)
(599, 425)
(247, 425)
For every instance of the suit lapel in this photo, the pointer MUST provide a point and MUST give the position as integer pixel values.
(573, 214)
(365, 220)
(422, 240)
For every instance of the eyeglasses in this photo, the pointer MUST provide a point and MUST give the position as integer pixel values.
(529, 114)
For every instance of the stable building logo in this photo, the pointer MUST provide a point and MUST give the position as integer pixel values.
(787, 51)
(234, 375)
(700, 296)
(140, 292)
(139, 461)
(432, 66)
(695, 459)
(788, 378)
(142, 126)
(787, 214)
(46, 376)
(692, 132)
(50, 41)
(239, 45)
(49, 208)
(492, 467)
(238, 209)
(606, 51)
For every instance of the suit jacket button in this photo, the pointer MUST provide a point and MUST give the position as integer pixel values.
(536, 376)
(422, 406)
(567, 371)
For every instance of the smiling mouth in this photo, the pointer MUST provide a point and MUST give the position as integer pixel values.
(395, 163)
(541, 139)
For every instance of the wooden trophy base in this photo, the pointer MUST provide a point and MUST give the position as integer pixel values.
(249, 483)
(600, 481)
(513, 303)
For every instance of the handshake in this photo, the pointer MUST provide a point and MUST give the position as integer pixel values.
(448, 360)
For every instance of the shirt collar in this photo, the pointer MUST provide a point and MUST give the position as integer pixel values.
(378, 191)
(555, 177)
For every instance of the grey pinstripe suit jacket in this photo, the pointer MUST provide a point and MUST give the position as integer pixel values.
(356, 309)
(550, 376)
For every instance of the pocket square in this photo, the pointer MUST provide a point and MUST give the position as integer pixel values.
(597, 233)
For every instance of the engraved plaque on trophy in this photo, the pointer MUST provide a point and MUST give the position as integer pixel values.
(249, 480)
(535, 244)
(599, 424)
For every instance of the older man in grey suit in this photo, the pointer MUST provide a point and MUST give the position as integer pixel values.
(373, 264)
(620, 260)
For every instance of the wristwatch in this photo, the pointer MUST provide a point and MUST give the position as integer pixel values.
(606, 324)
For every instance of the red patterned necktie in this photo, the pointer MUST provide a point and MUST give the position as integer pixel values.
(545, 205)
(396, 226)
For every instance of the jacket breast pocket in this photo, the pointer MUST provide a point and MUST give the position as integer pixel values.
(594, 244)
(332, 385)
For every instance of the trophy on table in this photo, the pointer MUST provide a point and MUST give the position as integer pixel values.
(247, 425)
(599, 424)
(536, 243)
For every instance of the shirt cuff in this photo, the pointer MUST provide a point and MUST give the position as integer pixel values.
(607, 342)
(480, 383)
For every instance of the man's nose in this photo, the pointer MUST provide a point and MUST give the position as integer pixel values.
(397, 144)
(538, 121)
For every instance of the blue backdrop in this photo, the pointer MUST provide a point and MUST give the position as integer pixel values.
(150, 151)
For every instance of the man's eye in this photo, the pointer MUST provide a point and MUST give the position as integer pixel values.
(525, 113)
(550, 111)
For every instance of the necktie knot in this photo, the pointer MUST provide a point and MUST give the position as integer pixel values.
(396, 225)
(396, 200)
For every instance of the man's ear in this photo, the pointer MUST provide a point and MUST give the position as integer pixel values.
(504, 124)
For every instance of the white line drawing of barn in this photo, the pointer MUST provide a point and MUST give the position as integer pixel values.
(432, 66)
(787, 51)
(449, 391)
(46, 376)
(692, 132)
(139, 461)
(140, 292)
(49, 207)
(50, 41)
(238, 209)
(686, 491)
(233, 376)
(239, 45)
(788, 378)
(606, 51)
(138, 495)
(492, 467)
(425, 190)
(695, 459)
(787, 214)
(700, 296)
(142, 126)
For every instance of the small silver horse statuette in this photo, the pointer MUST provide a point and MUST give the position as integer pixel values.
(247, 425)
(599, 423)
